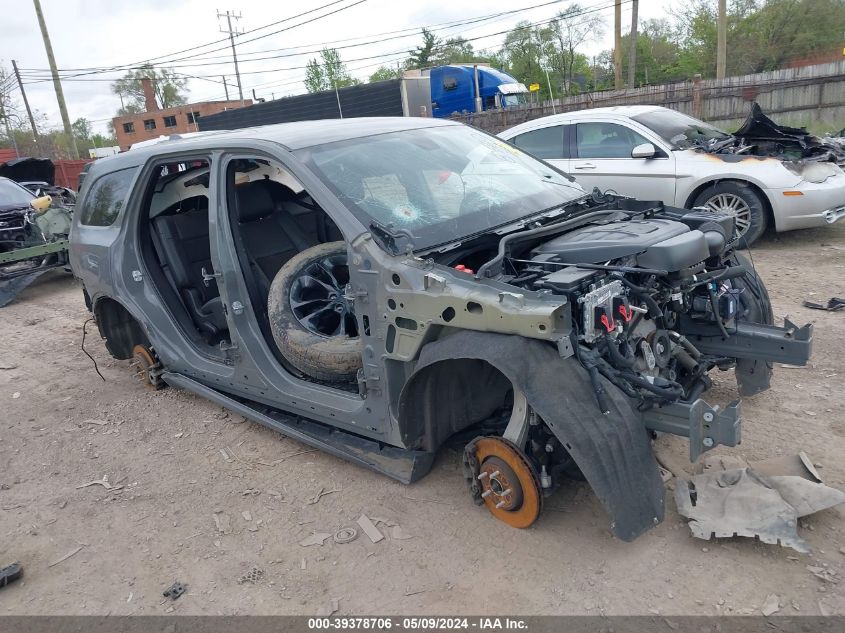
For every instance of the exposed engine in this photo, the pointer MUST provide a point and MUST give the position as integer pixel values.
(631, 285)
(760, 136)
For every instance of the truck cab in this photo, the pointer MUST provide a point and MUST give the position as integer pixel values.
(453, 89)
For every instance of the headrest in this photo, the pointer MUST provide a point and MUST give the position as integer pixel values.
(255, 201)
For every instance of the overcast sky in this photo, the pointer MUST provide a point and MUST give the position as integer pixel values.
(89, 34)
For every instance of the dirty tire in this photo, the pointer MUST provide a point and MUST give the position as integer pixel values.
(327, 358)
(754, 307)
(755, 304)
(754, 216)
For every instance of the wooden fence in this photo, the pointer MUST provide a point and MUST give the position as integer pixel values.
(813, 96)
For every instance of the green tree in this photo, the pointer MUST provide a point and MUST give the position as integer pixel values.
(456, 50)
(383, 73)
(424, 56)
(81, 129)
(657, 54)
(170, 88)
(522, 52)
(327, 73)
(761, 35)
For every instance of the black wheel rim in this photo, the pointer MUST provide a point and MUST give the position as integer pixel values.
(318, 298)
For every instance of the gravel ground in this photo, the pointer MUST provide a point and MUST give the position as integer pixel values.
(180, 467)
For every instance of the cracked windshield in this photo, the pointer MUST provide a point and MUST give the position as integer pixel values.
(437, 184)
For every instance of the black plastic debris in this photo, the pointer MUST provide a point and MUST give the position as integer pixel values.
(834, 304)
(175, 590)
(10, 574)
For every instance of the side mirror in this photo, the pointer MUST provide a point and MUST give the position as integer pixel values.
(41, 204)
(646, 150)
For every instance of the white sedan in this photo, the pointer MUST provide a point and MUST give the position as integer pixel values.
(654, 153)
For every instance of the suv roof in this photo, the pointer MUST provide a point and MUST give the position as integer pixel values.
(292, 136)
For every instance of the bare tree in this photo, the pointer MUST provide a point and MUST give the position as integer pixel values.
(572, 28)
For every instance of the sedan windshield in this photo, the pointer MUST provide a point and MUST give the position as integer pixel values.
(680, 130)
(436, 185)
(13, 195)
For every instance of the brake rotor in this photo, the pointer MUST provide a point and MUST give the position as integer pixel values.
(147, 367)
(509, 486)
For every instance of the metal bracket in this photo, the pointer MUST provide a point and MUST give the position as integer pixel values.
(789, 344)
(230, 351)
(517, 428)
(209, 277)
(706, 426)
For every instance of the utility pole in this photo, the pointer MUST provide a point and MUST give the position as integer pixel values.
(721, 40)
(57, 84)
(617, 45)
(229, 15)
(632, 50)
(337, 96)
(25, 102)
(226, 86)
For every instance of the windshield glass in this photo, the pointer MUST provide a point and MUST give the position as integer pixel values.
(439, 184)
(12, 194)
(514, 100)
(679, 129)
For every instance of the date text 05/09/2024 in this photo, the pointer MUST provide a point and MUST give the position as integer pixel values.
(429, 623)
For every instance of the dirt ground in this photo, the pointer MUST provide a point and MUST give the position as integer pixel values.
(62, 427)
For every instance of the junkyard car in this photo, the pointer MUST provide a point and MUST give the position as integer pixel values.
(38, 175)
(33, 237)
(374, 287)
(763, 174)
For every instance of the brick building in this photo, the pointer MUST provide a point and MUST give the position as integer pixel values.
(157, 121)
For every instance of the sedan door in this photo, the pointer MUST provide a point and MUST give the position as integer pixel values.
(602, 157)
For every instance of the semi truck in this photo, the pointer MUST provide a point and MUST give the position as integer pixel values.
(440, 92)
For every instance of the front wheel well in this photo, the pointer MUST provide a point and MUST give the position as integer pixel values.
(448, 396)
(118, 328)
(767, 205)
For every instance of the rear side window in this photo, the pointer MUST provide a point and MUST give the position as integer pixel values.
(543, 143)
(106, 198)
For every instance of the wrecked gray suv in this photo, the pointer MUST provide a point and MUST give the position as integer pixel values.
(374, 287)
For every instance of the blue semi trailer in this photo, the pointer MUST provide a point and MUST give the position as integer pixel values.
(440, 92)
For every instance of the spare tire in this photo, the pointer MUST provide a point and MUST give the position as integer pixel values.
(312, 321)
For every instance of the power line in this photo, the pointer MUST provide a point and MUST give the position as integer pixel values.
(390, 54)
(186, 50)
(398, 34)
(99, 70)
(587, 10)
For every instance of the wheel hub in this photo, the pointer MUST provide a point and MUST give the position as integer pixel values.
(318, 299)
(509, 486)
(732, 205)
(147, 367)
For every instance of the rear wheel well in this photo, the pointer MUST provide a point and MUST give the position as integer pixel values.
(119, 329)
(767, 205)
